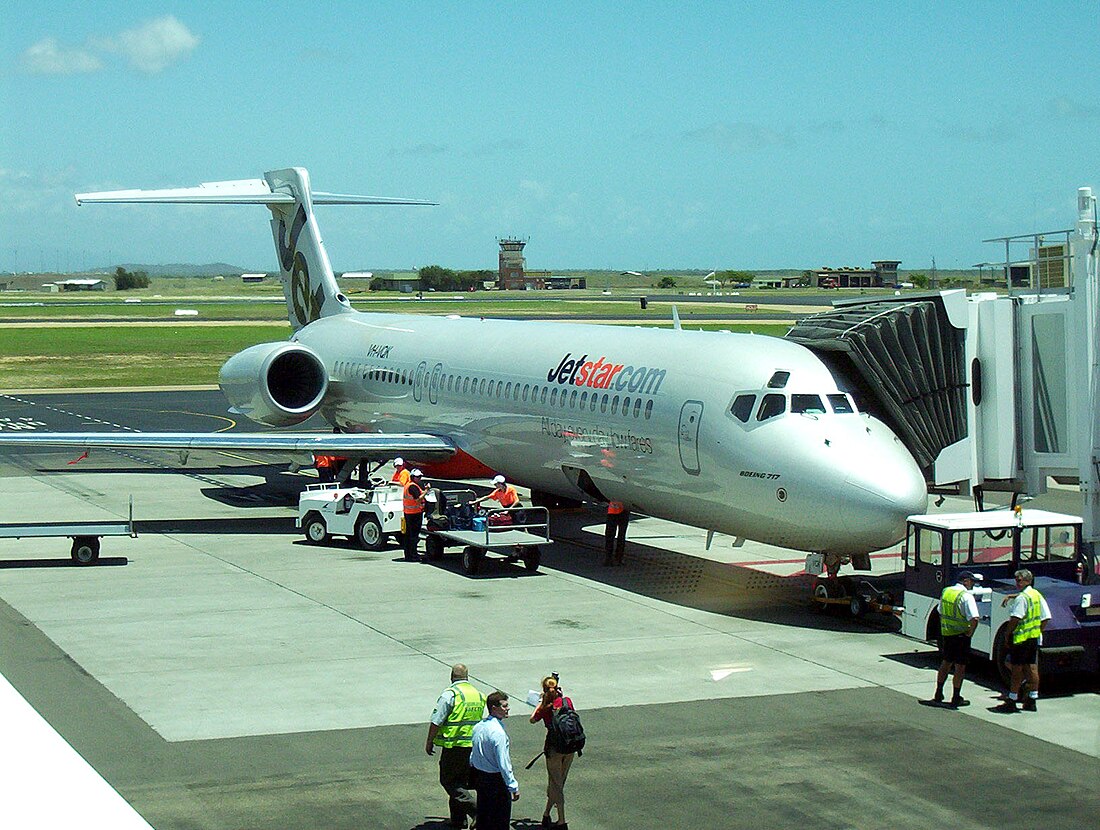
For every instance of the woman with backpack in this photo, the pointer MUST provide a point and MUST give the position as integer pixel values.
(562, 729)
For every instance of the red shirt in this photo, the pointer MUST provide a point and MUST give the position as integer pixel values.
(546, 714)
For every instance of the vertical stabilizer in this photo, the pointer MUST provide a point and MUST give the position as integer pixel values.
(308, 283)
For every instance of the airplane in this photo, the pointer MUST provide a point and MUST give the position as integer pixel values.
(740, 434)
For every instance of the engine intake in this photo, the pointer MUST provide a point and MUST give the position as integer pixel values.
(278, 384)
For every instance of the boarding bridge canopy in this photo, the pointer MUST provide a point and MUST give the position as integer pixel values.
(904, 360)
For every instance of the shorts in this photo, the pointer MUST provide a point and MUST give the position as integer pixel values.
(956, 649)
(1025, 653)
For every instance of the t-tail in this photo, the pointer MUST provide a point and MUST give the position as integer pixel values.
(308, 282)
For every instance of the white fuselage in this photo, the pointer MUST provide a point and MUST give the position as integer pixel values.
(644, 413)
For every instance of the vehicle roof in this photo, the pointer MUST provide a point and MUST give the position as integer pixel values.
(992, 519)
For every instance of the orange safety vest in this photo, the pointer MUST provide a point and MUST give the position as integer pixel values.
(320, 461)
(413, 500)
(614, 508)
(401, 476)
(507, 497)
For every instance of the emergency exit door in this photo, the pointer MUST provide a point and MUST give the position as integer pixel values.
(688, 436)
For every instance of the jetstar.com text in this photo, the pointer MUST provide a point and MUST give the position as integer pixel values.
(605, 374)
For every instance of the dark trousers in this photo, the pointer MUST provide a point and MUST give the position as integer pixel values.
(614, 536)
(413, 521)
(494, 802)
(454, 775)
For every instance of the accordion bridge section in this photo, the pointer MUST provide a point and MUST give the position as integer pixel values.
(904, 361)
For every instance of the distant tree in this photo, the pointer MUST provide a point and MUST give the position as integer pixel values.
(127, 280)
(919, 280)
(666, 282)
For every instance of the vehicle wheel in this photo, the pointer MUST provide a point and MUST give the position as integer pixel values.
(368, 533)
(531, 558)
(821, 591)
(433, 547)
(85, 550)
(857, 606)
(471, 559)
(1000, 657)
(315, 529)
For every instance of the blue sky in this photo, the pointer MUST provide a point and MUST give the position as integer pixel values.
(612, 135)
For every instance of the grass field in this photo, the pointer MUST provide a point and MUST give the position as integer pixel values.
(184, 352)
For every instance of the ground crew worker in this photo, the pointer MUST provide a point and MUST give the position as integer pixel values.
(958, 619)
(614, 536)
(400, 472)
(326, 467)
(413, 508)
(502, 492)
(1024, 631)
(458, 710)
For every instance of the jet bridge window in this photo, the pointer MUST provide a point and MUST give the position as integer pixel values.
(841, 404)
(771, 406)
(807, 405)
(779, 380)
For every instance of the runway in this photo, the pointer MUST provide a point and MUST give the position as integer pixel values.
(221, 673)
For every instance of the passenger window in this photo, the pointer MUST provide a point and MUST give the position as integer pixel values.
(807, 405)
(742, 407)
(592, 405)
(584, 399)
(554, 396)
(515, 392)
(614, 404)
(637, 407)
(779, 380)
(648, 408)
(481, 387)
(603, 403)
(526, 390)
(771, 406)
(573, 399)
(841, 404)
(492, 386)
(626, 405)
(508, 390)
(466, 385)
(542, 397)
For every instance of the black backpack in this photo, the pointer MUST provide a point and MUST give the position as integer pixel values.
(566, 733)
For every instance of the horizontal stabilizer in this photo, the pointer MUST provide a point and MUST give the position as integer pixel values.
(374, 446)
(242, 192)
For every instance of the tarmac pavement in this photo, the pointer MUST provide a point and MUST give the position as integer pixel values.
(222, 673)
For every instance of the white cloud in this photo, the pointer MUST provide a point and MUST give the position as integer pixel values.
(154, 45)
(48, 57)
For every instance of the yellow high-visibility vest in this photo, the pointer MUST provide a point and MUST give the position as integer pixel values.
(467, 711)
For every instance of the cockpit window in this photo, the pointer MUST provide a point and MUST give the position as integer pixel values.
(779, 380)
(742, 407)
(807, 404)
(842, 404)
(771, 406)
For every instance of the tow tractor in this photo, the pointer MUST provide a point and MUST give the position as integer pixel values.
(365, 515)
(515, 532)
(995, 544)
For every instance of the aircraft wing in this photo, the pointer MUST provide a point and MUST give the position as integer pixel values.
(373, 446)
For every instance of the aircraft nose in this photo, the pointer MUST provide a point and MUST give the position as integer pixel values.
(880, 496)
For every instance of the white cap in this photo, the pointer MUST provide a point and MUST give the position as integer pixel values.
(498, 479)
(416, 474)
(399, 462)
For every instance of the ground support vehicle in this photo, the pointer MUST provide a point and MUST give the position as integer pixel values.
(995, 544)
(520, 539)
(366, 516)
(85, 535)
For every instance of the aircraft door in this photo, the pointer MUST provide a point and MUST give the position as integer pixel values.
(688, 436)
(433, 384)
(419, 379)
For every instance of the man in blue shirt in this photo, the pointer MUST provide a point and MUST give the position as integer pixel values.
(492, 762)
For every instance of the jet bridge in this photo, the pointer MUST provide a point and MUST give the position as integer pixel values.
(990, 391)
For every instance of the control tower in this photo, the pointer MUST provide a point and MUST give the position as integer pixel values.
(510, 276)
